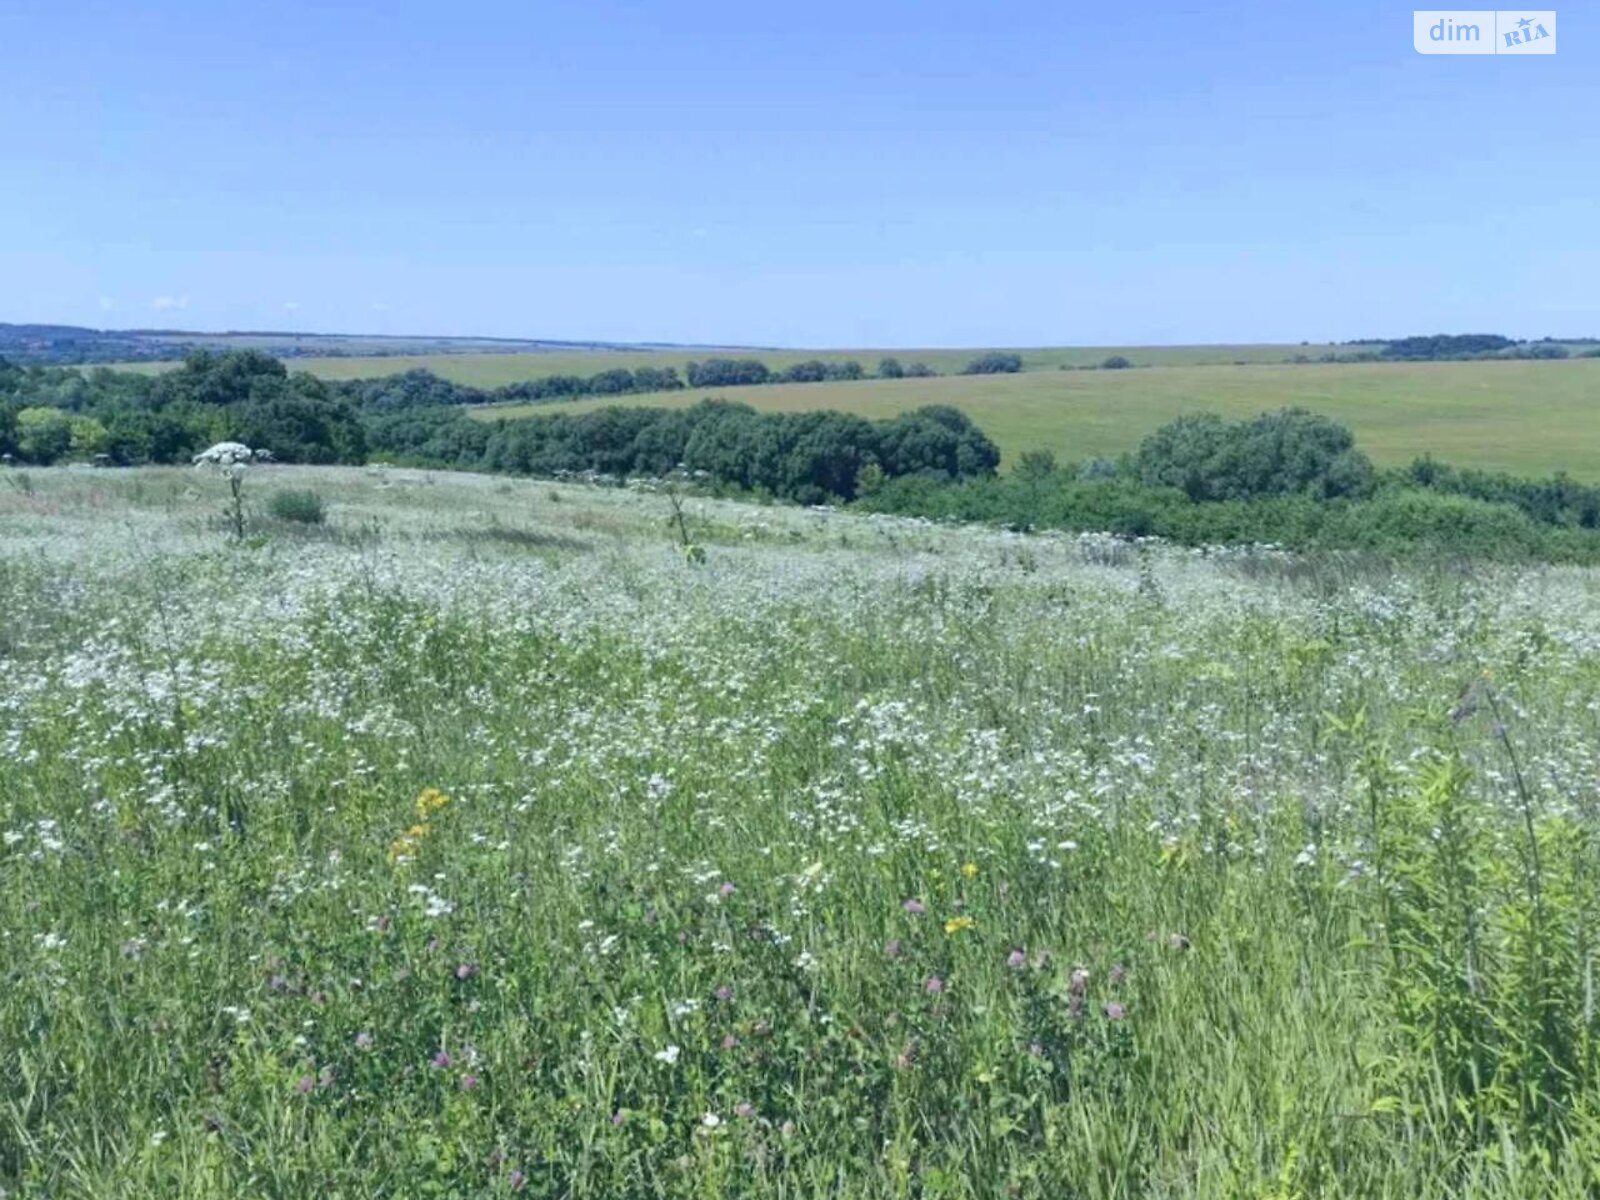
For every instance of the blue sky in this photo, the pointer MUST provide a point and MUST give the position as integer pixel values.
(815, 174)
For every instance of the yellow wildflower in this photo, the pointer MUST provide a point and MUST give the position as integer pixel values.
(429, 800)
(969, 870)
(956, 924)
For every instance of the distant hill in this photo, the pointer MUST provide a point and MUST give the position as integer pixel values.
(63, 344)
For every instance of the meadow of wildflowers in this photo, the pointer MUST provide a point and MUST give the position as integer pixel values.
(478, 841)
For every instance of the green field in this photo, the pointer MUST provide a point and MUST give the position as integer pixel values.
(495, 370)
(478, 842)
(1532, 418)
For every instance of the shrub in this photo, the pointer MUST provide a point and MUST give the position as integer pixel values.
(1036, 464)
(1116, 363)
(1276, 454)
(726, 372)
(996, 362)
(301, 506)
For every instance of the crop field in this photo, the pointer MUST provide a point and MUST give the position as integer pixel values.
(1528, 417)
(479, 841)
(489, 370)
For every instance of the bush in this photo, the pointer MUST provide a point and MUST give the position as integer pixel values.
(1116, 363)
(727, 372)
(1036, 464)
(1291, 452)
(996, 362)
(303, 507)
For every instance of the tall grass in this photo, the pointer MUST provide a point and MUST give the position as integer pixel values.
(856, 857)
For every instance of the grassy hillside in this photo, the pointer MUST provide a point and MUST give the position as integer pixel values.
(1527, 417)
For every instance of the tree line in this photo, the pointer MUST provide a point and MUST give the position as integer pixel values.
(54, 414)
(808, 457)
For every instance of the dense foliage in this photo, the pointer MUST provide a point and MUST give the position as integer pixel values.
(1292, 452)
(1446, 345)
(1289, 478)
(727, 372)
(743, 372)
(816, 371)
(618, 381)
(809, 457)
(996, 362)
(50, 414)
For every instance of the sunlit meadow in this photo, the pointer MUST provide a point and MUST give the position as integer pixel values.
(479, 840)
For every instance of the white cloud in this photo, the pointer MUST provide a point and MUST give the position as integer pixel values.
(163, 303)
